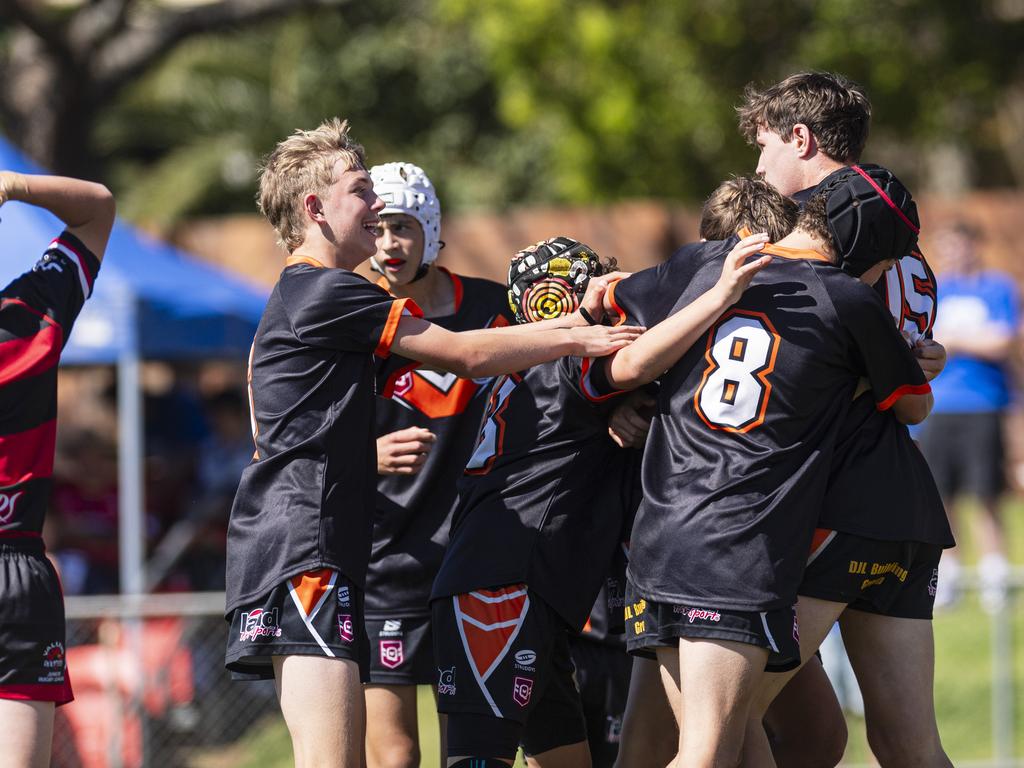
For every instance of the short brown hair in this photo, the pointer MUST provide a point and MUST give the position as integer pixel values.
(747, 201)
(813, 220)
(299, 165)
(835, 109)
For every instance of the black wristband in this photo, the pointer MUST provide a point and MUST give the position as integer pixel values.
(587, 316)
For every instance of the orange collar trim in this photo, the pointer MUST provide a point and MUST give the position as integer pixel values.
(785, 252)
(291, 261)
(795, 253)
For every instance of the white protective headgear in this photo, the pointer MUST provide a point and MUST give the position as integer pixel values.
(405, 188)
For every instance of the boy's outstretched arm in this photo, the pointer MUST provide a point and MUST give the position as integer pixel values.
(661, 346)
(85, 207)
(494, 351)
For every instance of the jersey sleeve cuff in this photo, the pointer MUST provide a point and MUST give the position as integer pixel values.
(907, 389)
(399, 307)
(86, 263)
(594, 383)
(616, 314)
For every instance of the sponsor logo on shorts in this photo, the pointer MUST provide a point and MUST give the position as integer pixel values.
(346, 631)
(7, 503)
(53, 656)
(260, 623)
(613, 729)
(391, 627)
(53, 663)
(697, 614)
(446, 682)
(522, 687)
(933, 583)
(525, 660)
(391, 654)
(344, 599)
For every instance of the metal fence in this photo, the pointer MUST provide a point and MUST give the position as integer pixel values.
(151, 688)
(150, 684)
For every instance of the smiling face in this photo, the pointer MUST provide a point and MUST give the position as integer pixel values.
(780, 163)
(399, 248)
(350, 210)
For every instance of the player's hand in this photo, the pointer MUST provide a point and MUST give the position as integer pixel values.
(601, 340)
(12, 185)
(737, 272)
(405, 451)
(931, 356)
(630, 422)
(597, 288)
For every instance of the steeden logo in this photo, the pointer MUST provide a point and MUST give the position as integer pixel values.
(526, 658)
(343, 597)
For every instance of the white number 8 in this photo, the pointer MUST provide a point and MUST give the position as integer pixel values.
(733, 395)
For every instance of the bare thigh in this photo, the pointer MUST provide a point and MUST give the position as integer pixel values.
(322, 703)
(27, 733)
(650, 732)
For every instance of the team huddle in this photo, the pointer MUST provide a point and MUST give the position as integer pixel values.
(539, 496)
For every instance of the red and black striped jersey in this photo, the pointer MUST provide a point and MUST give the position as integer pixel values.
(540, 502)
(738, 455)
(305, 501)
(37, 312)
(410, 526)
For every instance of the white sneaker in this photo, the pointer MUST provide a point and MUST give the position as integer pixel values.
(993, 573)
(947, 587)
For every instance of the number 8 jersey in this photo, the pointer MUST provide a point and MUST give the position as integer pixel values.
(738, 455)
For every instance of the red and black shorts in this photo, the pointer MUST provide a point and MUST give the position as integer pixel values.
(505, 653)
(401, 651)
(651, 625)
(317, 613)
(32, 631)
(891, 578)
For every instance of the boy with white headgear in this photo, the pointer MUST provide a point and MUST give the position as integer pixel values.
(426, 428)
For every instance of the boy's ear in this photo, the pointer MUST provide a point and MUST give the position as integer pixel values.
(805, 140)
(313, 207)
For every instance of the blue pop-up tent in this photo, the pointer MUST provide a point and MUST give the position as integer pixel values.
(150, 301)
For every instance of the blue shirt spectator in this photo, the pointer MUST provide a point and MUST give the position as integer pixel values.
(977, 311)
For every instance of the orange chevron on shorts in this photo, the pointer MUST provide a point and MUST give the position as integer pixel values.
(489, 621)
(311, 587)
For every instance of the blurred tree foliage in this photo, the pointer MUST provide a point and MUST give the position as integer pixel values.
(573, 101)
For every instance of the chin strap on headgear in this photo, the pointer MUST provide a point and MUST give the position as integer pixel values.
(548, 279)
(405, 188)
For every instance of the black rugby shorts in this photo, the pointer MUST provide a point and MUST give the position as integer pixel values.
(891, 578)
(32, 630)
(505, 653)
(401, 651)
(318, 613)
(651, 625)
(602, 675)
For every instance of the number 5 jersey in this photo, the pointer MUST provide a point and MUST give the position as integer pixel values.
(737, 459)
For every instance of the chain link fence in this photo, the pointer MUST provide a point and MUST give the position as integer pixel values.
(151, 688)
(150, 684)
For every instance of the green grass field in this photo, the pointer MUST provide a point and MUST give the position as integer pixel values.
(963, 686)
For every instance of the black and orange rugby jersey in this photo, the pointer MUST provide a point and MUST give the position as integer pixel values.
(880, 485)
(738, 454)
(306, 500)
(37, 311)
(413, 512)
(540, 501)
